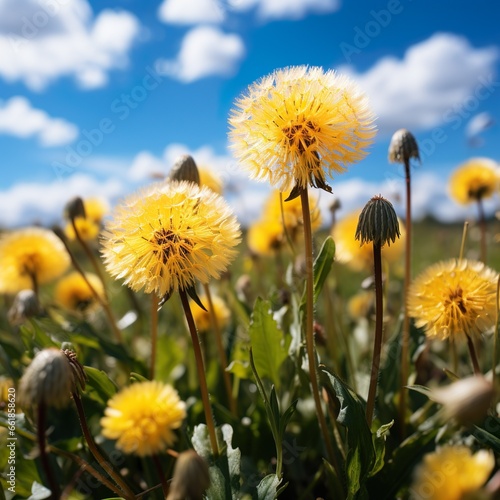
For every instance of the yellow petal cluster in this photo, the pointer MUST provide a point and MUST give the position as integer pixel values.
(168, 236)
(450, 473)
(475, 180)
(28, 254)
(75, 294)
(202, 318)
(143, 417)
(87, 228)
(298, 125)
(453, 298)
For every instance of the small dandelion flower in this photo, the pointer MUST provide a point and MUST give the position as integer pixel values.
(87, 228)
(453, 298)
(264, 237)
(202, 318)
(459, 471)
(475, 180)
(48, 379)
(297, 125)
(168, 236)
(74, 293)
(95, 209)
(30, 256)
(143, 418)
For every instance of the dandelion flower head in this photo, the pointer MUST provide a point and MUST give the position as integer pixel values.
(265, 236)
(475, 180)
(453, 298)
(29, 255)
(297, 125)
(459, 472)
(75, 294)
(143, 417)
(87, 228)
(169, 235)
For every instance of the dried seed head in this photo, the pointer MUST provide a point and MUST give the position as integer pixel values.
(378, 223)
(403, 146)
(48, 379)
(75, 208)
(25, 306)
(185, 169)
(191, 478)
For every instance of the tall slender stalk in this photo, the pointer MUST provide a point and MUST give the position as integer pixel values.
(482, 228)
(379, 325)
(495, 339)
(201, 372)
(44, 458)
(163, 480)
(473, 356)
(154, 334)
(311, 351)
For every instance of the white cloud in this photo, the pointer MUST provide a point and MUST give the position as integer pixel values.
(205, 51)
(20, 119)
(430, 84)
(146, 166)
(30, 203)
(286, 9)
(191, 11)
(43, 41)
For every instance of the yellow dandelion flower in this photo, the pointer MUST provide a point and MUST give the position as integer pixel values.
(361, 305)
(168, 236)
(87, 228)
(475, 180)
(454, 297)
(29, 255)
(143, 417)
(450, 473)
(300, 124)
(95, 209)
(360, 257)
(202, 318)
(264, 237)
(73, 292)
(211, 179)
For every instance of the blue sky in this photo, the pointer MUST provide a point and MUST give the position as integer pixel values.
(95, 97)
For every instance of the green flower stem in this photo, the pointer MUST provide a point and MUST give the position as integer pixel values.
(379, 325)
(311, 351)
(221, 351)
(405, 340)
(201, 372)
(44, 458)
(127, 493)
(473, 356)
(163, 480)
(154, 334)
(482, 227)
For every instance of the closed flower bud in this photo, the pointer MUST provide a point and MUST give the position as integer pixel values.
(185, 169)
(25, 306)
(191, 478)
(402, 147)
(75, 208)
(48, 380)
(378, 223)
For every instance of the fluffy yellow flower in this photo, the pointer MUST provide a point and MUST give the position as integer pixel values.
(73, 292)
(87, 228)
(450, 473)
(454, 297)
(211, 179)
(475, 180)
(300, 124)
(95, 209)
(143, 417)
(360, 257)
(30, 254)
(168, 236)
(202, 318)
(265, 236)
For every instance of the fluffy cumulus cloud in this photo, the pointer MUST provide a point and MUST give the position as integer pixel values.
(430, 84)
(205, 51)
(191, 11)
(286, 9)
(43, 41)
(18, 118)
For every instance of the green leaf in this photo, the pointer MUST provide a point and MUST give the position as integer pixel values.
(360, 452)
(379, 447)
(99, 385)
(322, 265)
(422, 390)
(267, 342)
(266, 489)
(137, 377)
(483, 435)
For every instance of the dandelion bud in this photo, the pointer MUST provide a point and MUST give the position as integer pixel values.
(48, 379)
(466, 400)
(378, 223)
(402, 147)
(185, 169)
(25, 306)
(75, 208)
(191, 478)
(79, 375)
